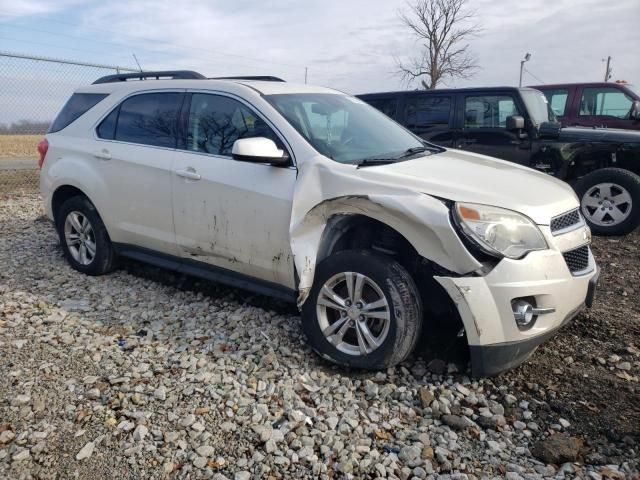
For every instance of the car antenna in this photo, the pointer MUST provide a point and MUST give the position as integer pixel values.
(136, 59)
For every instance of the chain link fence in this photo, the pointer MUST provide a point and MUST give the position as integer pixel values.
(32, 91)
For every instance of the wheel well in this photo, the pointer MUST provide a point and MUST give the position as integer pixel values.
(590, 161)
(355, 232)
(62, 194)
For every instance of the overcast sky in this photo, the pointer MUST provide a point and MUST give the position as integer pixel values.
(349, 45)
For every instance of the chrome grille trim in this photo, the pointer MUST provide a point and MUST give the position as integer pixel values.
(566, 222)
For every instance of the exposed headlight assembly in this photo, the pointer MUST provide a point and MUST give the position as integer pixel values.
(499, 232)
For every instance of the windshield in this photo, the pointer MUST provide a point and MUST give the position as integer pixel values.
(345, 128)
(633, 88)
(538, 107)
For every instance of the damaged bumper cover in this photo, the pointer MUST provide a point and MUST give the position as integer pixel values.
(485, 304)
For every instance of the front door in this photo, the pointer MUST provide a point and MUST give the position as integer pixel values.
(484, 127)
(604, 107)
(229, 213)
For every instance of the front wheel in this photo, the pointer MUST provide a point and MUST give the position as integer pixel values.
(610, 200)
(364, 310)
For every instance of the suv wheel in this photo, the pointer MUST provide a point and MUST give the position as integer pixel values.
(364, 310)
(83, 237)
(610, 200)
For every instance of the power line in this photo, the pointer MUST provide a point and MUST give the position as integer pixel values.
(529, 72)
(172, 44)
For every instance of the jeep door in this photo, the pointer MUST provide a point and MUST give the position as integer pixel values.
(228, 213)
(483, 121)
(134, 148)
(430, 116)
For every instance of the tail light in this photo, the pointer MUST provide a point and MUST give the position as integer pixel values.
(43, 146)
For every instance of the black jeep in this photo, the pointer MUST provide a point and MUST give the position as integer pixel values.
(516, 124)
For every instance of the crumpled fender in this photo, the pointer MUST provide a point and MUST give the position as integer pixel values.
(325, 188)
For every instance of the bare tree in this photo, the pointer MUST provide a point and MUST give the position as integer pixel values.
(443, 27)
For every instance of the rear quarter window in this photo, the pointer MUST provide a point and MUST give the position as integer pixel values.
(76, 106)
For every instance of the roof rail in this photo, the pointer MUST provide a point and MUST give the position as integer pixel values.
(166, 74)
(264, 78)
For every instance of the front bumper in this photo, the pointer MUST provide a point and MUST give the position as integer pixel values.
(496, 343)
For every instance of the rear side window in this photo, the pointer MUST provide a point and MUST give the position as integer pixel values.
(557, 100)
(426, 111)
(76, 106)
(148, 119)
(385, 105)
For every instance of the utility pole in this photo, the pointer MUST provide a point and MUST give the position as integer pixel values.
(607, 73)
(527, 57)
(306, 70)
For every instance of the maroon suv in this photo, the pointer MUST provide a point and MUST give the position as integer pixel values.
(612, 105)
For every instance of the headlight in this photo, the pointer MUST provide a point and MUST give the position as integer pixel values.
(498, 231)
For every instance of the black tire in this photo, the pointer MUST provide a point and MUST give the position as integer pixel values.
(621, 179)
(104, 259)
(400, 292)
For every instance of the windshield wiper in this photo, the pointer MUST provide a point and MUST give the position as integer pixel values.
(384, 160)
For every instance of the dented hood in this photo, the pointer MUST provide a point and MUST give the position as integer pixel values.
(468, 177)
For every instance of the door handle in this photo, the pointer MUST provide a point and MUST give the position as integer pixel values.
(102, 154)
(189, 173)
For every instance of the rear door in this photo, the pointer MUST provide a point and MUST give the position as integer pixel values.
(135, 147)
(231, 214)
(604, 107)
(484, 119)
(430, 116)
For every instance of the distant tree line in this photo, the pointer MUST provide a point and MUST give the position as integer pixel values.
(24, 127)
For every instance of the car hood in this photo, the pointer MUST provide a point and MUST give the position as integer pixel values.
(469, 177)
(587, 134)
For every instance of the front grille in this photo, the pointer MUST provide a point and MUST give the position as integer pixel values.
(566, 220)
(578, 259)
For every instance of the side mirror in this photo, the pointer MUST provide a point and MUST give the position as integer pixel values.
(515, 122)
(634, 113)
(259, 150)
(549, 130)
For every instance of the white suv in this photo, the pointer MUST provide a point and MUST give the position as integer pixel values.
(311, 195)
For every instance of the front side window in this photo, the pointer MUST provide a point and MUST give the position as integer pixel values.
(537, 106)
(148, 119)
(216, 122)
(77, 105)
(489, 111)
(605, 101)
(425, 111)
(344, 128)
(557, 100)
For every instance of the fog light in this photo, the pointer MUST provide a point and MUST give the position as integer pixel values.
(523, 313)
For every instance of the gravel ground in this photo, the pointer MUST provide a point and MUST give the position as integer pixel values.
(147, 374)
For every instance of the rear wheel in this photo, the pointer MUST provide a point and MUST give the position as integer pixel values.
(364, 310)
(610, 200)
(83, 237)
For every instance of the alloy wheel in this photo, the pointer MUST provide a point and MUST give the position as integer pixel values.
(353, 313)
(80, 238)
(606, 204)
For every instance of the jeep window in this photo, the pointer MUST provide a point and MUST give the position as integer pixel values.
(537, 106)
(388, 106)
(424, 111)
(489, 111)
(605, 101)
(149, 119)
(216, 122)
(77, 105)
(557, 99)
(345, 128)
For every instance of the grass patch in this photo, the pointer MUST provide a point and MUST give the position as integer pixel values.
(15, 146)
